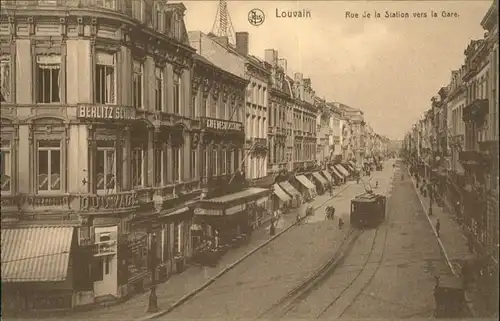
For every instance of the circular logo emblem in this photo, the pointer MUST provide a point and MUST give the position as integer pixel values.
(256, 17)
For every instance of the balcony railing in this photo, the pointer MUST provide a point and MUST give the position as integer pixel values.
(476, 110)
(472, 157)
(221, 125)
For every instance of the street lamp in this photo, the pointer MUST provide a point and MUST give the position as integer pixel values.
(153, 299)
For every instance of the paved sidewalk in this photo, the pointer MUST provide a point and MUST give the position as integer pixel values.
(454, 246)
(178, 285)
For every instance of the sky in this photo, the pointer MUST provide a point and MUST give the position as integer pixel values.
(387, 67)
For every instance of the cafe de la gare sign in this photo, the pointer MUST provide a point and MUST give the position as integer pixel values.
(219, 124)
(100, 112)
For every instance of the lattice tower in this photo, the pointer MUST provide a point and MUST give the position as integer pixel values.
(223, 26)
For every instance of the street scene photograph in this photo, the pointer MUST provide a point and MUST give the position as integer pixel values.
(249, 160)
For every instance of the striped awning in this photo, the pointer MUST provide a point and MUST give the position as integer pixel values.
(306, 182)
(320, 178)
(280, 193)
(249, 192)
(36, 254)
(342, 170)
(352, 164)
(289, 188)
(336, 172)
(327, 175)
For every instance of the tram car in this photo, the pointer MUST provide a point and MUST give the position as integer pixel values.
(367, 210)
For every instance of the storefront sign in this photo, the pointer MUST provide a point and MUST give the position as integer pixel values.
(235, 209)
(107, 202)
(106, 112)
(207, 211)
(219, 124)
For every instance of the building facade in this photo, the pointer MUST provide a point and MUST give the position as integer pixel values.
(304, 123)
(90, 93)
(323, 132)
(280, 101)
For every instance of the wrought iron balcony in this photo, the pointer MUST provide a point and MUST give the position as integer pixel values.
(472, 157)
(476, 110)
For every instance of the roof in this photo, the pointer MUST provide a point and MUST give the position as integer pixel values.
(36, 254)
(367, 197)
(207, 62)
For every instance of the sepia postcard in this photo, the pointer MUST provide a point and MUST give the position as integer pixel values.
(249, 160)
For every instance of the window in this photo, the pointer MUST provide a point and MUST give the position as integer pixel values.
(108, 4)
(222, 110)
(176, 164)
(106, 169)
(193, 163)
(213, 163)
(177, 94)
(138, 9)
(137, 84)
(49, 166)
(206, 155)
(104, 86)
(137, 167)
(49, 80)
(159, 169)
(158, 89)
(6, 166)
(222, 162)
(206, 111)
(213, 108)
(159, 23)
(5, 80)
(229, 162)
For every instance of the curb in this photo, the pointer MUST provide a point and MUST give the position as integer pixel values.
(441, 246)
(230, 267)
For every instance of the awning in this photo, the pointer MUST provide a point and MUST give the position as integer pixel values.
(250, 192)
(342, 170)
(304, 181)
(336, 172)
(289, 188)
(352, 164)
(36, 254)
(349, 167)
(280, 193)
(174, 212)
(320, 178)
(327, 175)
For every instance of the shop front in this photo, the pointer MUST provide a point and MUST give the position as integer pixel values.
(307, 188)
(227, 219)
(321, 183)
(328, 177)
(40, 269)
(281, 200)
(292, 192)
(338, 176)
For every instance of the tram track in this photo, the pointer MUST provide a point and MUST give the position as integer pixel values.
(292, 297)
(342, 302)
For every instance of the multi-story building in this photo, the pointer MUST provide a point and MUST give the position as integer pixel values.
(280, 100)
(490, 146)
(304, 123)
(225, 119)
(323, 132)
(455, 103)
(336, 136)
(356, 128)
(97, 132)
(473, 159)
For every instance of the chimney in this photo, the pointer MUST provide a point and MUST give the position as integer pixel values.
(269, 56)
(223, 41)
(242, 43)
(282, 64)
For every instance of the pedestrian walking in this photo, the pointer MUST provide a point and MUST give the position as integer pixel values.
(272, 229)
(438, 227)
(357, 180)
(298, 217)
